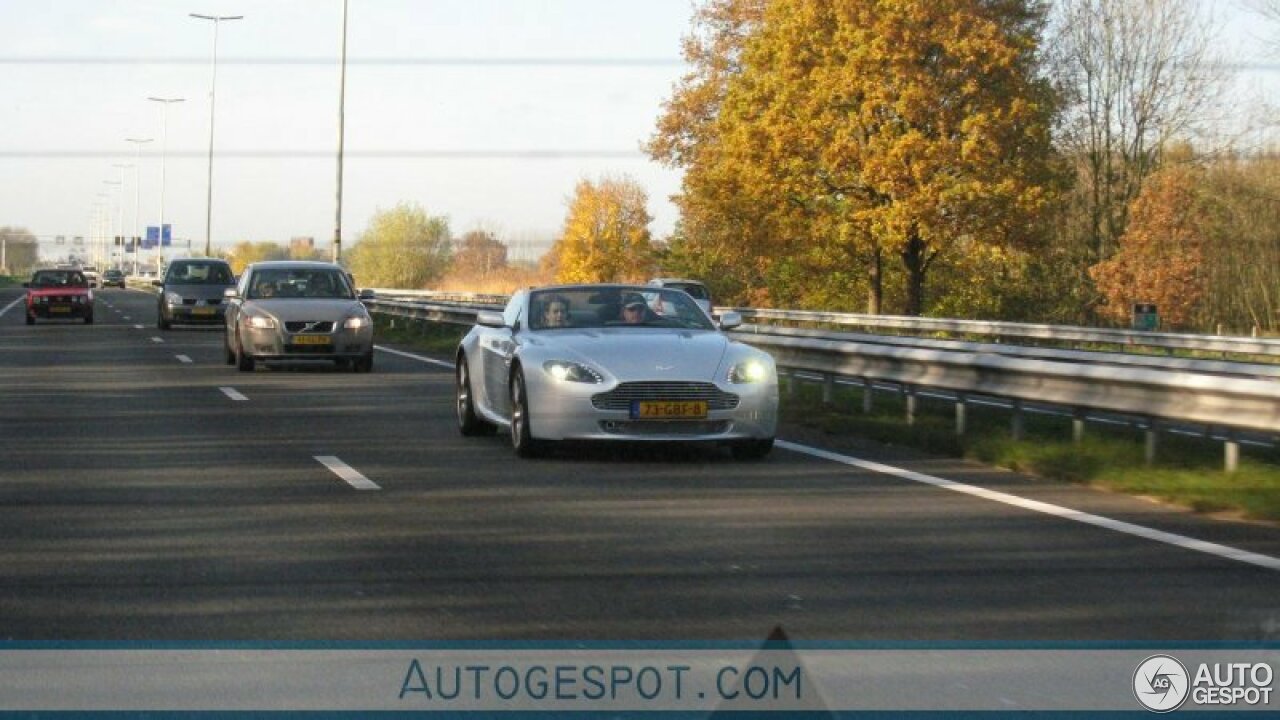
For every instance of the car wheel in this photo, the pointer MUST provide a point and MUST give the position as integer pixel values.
(522, 440)
(226, 345)
(469, 423)
(364, 364)
(88, 319)
(244, 361)
(31, 319)
(161, 322)
(751, 449)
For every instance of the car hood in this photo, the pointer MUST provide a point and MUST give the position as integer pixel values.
(307, 309)
(57, 291)
(198, 292)
(640, 353)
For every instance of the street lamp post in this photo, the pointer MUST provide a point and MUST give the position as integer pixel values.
(137, 195)
(104, 253)
(119, 218)
(342, 99)
(213, 89)
(164, 152)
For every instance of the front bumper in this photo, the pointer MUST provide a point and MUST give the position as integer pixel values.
(196, 314)
(564, 411)
(269, 344)
(53, 311)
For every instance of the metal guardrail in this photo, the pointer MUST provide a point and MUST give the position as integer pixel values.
(1056, 333)
(1228, 402)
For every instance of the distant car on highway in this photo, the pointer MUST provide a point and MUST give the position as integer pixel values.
(113, 277)
(613, 362)
(54, 294)
(695, 289)
(292, 310)
(192, 292)
(95, 281)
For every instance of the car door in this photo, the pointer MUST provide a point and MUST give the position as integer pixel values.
(497, 348)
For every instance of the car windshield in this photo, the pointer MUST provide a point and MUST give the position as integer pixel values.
(59, 278)
(198, 274)
(594, 307)
(322, 284)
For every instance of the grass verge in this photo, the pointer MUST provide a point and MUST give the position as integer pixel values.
(1187, 471)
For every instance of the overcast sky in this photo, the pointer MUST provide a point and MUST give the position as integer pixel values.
(486, 111)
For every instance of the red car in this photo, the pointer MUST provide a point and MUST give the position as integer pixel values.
(59, 294)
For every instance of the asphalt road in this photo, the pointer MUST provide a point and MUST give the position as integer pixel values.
(139, 500)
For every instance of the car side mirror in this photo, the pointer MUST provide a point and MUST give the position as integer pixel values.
(366, 294)
(489, 318)
(158, 283)
(730, 320)
(230, 293)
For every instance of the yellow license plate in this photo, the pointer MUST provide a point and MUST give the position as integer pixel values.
(203, 311)
(668, 410)
(311, 340)
(59, 308)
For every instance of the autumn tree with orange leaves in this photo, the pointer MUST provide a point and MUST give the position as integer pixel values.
(857, 130)
(1161, 256)
(606, 234)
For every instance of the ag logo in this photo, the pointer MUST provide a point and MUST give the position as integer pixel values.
(1161, 683)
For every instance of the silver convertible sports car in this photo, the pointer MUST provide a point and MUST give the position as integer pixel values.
(614, 362)
(289, 310)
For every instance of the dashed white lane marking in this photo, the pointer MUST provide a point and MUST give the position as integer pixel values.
(411, 356)
(347, 473)
(1186, 543)
(233, 394)
(9, 307)
(126, 317)
(157, 340)
(183, 359)
(136, 327)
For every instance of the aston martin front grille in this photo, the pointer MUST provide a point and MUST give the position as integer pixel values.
(621, 397)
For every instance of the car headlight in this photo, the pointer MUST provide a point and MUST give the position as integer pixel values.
(173, 298)
(571, 371)
(355, 322)
(748, 371)
(261, 322)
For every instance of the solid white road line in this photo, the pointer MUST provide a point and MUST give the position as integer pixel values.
(347, 473)
(1186, 543)
(183, 359)
(411, 356)
(233, 394)
(9, 307)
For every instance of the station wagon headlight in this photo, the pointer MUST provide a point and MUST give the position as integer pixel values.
(749, 371)
(567, 371)
(261, 322)
(355, 322)
(173, 298)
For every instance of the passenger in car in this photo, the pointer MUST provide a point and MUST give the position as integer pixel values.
(555, 313)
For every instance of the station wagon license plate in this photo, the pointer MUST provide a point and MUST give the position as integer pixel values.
(59, 308)
(668, 410)
(203, 311)
(310, 339)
